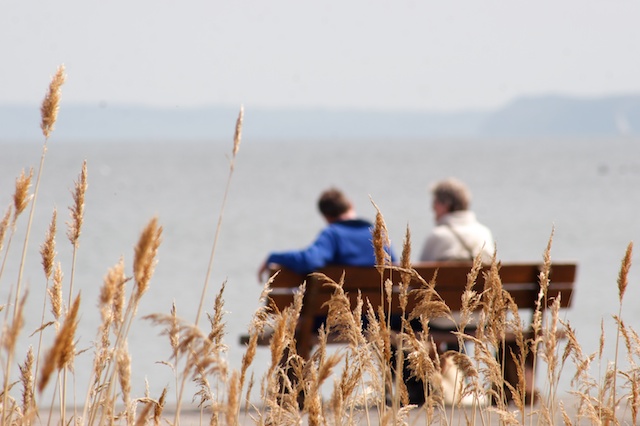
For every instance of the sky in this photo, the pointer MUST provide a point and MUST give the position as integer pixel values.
(330, 54)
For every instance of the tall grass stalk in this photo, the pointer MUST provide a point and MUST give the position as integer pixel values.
(73, 233)
(48, 254)
(49, 114)
(74, 226)
(381, 244)
(237, 138)
(143, 268)
(623, 281)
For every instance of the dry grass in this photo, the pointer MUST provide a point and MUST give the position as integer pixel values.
(367, 387)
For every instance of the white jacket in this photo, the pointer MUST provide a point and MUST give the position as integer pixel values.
(458, 236)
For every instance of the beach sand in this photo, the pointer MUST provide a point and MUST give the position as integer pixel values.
(191, 416)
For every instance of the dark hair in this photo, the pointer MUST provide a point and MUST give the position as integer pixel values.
(333, 203)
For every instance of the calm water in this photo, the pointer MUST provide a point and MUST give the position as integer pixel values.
(587, 189)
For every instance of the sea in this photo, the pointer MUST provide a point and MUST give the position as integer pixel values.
(584, 193)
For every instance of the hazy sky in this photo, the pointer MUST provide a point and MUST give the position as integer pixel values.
(427, 55)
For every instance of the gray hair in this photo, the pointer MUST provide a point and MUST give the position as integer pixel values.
(453, 193)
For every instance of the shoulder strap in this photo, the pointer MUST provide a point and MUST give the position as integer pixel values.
(462, 241)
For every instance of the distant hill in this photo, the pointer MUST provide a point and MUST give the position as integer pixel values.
(563, 116)
(524, 117)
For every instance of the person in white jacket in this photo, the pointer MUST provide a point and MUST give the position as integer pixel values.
(457, 235)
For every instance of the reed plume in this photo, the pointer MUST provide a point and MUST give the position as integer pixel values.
(112, 286)
(623, 280)
(10, 335)
(174, 331)
(237, 137)
(622, 286)
(110, 289)
(159, 406)
(120, 297)
(77, 210)
(4, 225)
(21, 199)
(50, 104)
(216, 323)
(142, 417)
(48, 254)
(62, 352)
(429, 303)
(381, 242)
(145, 257)
(26, 378)
(48, 248)
(405, 257)
(550, 343)
(21, 196)
(256, 328)
(232, 408)
(340, 319)
(123, 363)
(55, 292)
(634, 382)
(470, 300)
(9, 340)
(143, 268)
(74, 226)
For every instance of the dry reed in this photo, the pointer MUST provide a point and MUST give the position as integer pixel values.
(381, 241)
(62, 352)
(21, 196)
(366, 378)
(49, 113)
(367, 352)
(48, 254)
(26, 378)
(51, 102)
(4, 225)
(55, 292)
(144, 261)
(77, 210)
(236, 146)
(48, 248)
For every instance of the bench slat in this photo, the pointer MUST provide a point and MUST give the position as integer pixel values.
(520, 280)
(523, 297)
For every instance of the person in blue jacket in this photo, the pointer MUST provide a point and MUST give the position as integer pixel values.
(346, 240)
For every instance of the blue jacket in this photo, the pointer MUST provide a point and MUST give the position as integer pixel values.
(346, 242)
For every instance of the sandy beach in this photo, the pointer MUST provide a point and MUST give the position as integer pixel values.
(191, 416)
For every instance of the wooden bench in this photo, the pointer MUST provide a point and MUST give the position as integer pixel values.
(519, 279)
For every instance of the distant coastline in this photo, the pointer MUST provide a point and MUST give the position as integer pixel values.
(541, 116)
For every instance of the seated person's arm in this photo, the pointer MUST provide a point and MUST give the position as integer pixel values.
(314, 257)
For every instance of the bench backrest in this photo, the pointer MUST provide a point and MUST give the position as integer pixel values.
(521, 280)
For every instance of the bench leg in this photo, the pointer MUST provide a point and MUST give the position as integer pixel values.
(415, 386)
(304, 346)
(510, 372)
(289, 381)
